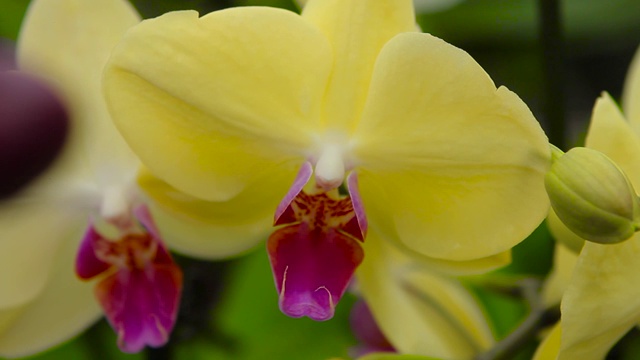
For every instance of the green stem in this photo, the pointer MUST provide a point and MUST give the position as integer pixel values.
(538, 317)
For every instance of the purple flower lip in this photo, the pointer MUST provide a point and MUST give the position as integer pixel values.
(140, 284)
(315, 253)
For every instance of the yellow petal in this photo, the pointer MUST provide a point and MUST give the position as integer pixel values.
(562, 234)
(65, 308)
(550, 346)
(454, 268)
(210, 104)
(564, 260)
(207, 229)
(67, 42)
(29, 234)
(610, 134)
(357, 30)
(458, 164)
(420, 312)
(602, 301)
(631, 94)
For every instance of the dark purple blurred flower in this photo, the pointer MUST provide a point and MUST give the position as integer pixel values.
(33, 127)
(367, 332)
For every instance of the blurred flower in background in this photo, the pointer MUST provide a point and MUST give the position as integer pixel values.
(65, 45)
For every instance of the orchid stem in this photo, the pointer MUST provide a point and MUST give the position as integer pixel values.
(552, 43)
(538, 317)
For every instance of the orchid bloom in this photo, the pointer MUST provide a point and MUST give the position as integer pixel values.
(90, 188)
(602, 300)
(229, 107)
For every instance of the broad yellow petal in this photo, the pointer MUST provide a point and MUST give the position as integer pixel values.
(207, 229)
(211, 104)
(564, 261)
(64, 308)
(610, 134)
(550, 346)
(67, 42)
(357, 30)
(631, 94)
(420, 312)
(602, 301)
(29, 234)
(458, 164)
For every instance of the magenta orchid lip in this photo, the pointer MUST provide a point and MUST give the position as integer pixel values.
(139, 284)
(317, 250)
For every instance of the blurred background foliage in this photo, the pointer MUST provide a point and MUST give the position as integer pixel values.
(230, 308)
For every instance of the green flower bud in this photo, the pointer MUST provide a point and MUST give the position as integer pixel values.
(592, 196)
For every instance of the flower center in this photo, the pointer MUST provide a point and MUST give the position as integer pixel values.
(330, 168)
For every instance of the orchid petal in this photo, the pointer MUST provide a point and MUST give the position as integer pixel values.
(435, 124)
(64, 308)
(211, 230)
(88, 265)
(284, 214)
(312, 268)
(360, 226)
(563, 234)
(631, 93)
(29, 234)
(610, 134)
(348, 26)
(68, 42)
(550, 346)
(141, 305)
(602, 301)
(564, 261)
(420, 312)
(239, 101)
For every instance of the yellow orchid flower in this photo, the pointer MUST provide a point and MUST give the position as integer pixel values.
(229, 107)
(602, 300)
(90, 189)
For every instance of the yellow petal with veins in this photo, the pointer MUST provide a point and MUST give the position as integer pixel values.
(603, 300)
(631, 94)
(67, 43)
(612, 135)
(357, 30)
(418, 311)
(210, 230)
(211, 104)
(65, 307)
(458, 164)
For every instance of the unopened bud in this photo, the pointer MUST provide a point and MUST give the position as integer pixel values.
(592, 196)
